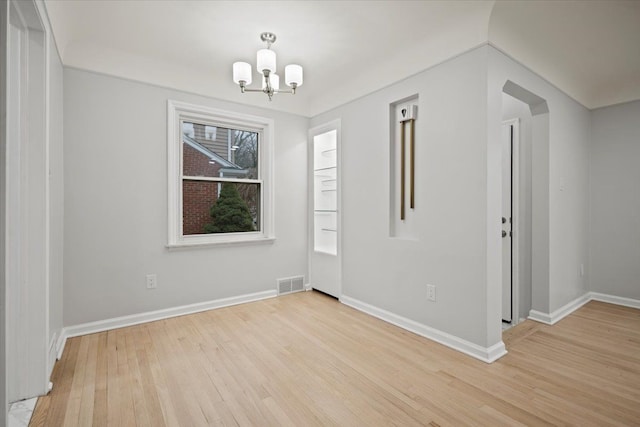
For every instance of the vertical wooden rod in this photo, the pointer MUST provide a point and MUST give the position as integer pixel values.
(412, 164)
(402, 161)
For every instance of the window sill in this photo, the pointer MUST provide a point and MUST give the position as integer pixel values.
(220, 242)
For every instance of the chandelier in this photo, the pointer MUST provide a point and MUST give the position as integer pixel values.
(266, 65)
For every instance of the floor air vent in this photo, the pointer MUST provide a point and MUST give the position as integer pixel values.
(288, 285)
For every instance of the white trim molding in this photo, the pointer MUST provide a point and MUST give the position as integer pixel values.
(571, 306)
(62, 340)
(612, 299)
(485, 354)
(561, 313)
(151, 316)
(541, 317)
(515, 220)
(177, 112)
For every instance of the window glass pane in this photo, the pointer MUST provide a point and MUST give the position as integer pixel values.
(211, 151)
(219, 207)
(244, 151)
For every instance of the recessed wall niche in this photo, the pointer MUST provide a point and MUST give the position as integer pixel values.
(404, 143)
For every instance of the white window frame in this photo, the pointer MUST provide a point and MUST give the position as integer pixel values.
(180, 111)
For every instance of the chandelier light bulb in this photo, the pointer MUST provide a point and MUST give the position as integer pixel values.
(266, 60)
(293, 75)
(242, 72)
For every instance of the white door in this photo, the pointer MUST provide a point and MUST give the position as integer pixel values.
(324, 258)
(507, 168)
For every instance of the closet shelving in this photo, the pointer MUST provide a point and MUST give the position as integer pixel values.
(325, 191)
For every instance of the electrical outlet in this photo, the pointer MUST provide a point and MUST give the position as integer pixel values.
(431, 292)
(152, 281)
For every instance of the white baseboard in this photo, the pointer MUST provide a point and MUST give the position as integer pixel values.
(611, 299)
(539, 316)
(561, 313)
(485, 354)
(150, 316)
(567, 309)
(62, 340)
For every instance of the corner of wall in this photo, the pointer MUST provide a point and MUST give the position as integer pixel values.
(485, 354)
(567, 309)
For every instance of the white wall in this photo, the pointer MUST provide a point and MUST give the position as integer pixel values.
(615, 200)
(451, 205)
(115, 211)
(568, 163)
(457, 196)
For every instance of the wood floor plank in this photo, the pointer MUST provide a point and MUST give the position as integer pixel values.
(87, 399)
(99, 416)
(305, 359)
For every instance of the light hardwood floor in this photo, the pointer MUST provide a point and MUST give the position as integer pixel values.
(305, 359)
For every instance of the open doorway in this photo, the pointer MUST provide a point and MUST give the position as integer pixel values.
(510, 140)
(525, 166)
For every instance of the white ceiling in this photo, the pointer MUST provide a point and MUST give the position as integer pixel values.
(589, 49)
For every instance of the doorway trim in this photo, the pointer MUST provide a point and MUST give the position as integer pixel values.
(27, 268)
(516, 228)
(540, 246)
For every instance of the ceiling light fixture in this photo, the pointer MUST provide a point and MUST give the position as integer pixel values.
(266, 65)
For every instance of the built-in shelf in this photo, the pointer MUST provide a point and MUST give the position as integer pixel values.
(324, 169)
(325, 194)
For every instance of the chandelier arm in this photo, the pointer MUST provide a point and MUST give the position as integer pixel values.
(246, 89)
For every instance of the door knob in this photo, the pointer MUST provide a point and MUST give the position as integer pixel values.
(504, 234)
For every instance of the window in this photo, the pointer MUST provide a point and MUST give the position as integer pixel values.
(220, 166)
